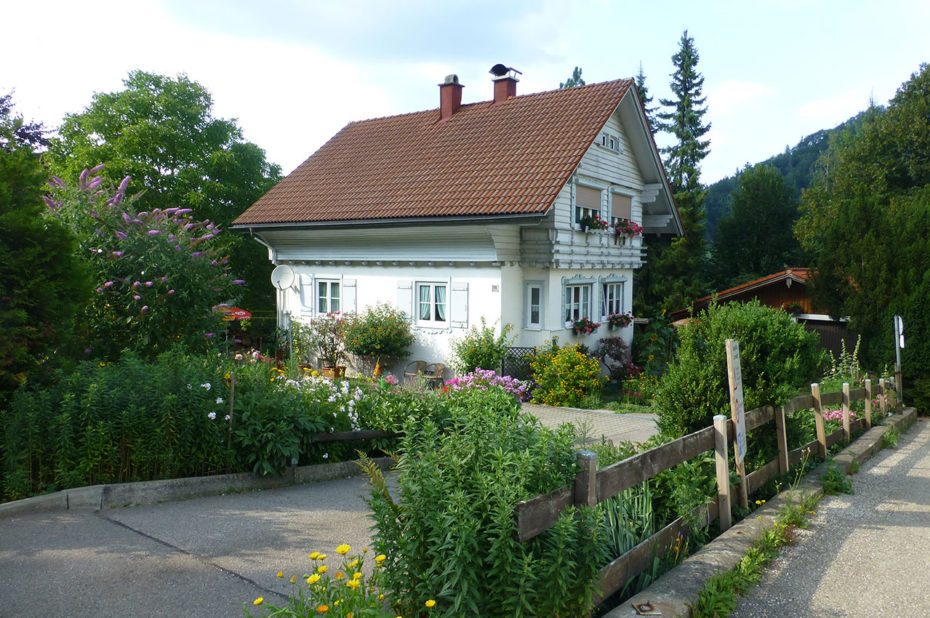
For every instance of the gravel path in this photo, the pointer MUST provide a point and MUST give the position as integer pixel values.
(866, 554)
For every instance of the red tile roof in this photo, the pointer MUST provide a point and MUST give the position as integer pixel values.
(510, 158)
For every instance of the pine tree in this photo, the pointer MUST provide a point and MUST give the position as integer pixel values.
(672, 277)
(574, 80)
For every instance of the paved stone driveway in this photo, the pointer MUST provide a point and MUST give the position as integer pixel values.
(596, 423)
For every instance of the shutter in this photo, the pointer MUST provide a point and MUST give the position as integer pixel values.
(405, 298)
(348, 296)
(459, 305)
(306, 293)
(621, 206)
(564, 315)
(586, 197)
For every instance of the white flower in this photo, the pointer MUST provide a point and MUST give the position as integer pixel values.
(219, 400)
(211, 416)
(227, 417)
(189, 387)
(206, 386)
(325, 455)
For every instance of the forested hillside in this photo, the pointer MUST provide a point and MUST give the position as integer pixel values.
(795, 164)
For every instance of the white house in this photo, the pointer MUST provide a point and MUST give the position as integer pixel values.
(471, 211)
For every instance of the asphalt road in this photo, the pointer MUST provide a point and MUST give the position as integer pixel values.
(866, 554)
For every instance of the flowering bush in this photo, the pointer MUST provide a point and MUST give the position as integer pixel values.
(584, 326)
(614, 353)
(158, 279)
(792, 306)
(326, 336)
(566, 376)
(593, 222)
(484, 379)
(619, 320)
(625, 228)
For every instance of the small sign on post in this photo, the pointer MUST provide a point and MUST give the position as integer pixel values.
(734, 373)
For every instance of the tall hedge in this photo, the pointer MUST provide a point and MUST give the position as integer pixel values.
(777, 356)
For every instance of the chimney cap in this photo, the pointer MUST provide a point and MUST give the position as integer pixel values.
(499, 71)
(451, 79)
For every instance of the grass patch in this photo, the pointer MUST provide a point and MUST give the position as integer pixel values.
(890, 438)
(718, 599)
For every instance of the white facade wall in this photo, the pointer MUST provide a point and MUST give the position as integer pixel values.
(366, 286)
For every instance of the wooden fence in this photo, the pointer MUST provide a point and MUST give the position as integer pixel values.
(592, 486)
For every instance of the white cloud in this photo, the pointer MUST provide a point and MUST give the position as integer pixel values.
(731, 95)
(835, 109)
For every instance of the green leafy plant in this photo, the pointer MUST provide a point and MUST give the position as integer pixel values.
(326, 336)
(890, 438)
(449, 529)
(380, 334)
(482, 346)
(834, 481)
(566, 376)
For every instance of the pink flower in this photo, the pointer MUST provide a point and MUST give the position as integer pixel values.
(154, 232)
(136, 297)
(120, 234)
(117, 253)
(149, 284)
(238, 281)
(108, 284)
(145, 307)
(171, 291)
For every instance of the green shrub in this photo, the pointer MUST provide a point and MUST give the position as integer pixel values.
(777, 356)
(834, 481)
(380, 334)
(482, 347)
(450, 533)
(566, 377)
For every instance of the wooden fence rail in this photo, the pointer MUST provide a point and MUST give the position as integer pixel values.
(592, 486)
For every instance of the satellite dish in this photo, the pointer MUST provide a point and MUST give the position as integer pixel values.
(282, 277)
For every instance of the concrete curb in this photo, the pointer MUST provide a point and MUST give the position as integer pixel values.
(99, 497)
(677, 591)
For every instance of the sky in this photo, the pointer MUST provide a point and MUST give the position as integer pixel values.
(293, 72)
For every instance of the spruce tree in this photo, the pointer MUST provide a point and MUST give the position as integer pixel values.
(672, 277)
(645, 97)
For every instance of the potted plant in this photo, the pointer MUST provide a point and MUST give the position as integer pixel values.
(792, 306)
(624, 228)
(327, 337)
(592, 222)
(584, 326)
(619, 320)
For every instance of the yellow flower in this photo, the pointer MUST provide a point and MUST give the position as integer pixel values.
(258, 601)
(353, 564)
(313, 579)
(364, 550)
(322, 609)
(315, 555)
(380, 597)
(339, 575)
(293, 579)
(322, 568)
(430, 603)
(356, 576)
(380, 558)
(280, 574)
(322, 556)
(343, 549)
(352, 583)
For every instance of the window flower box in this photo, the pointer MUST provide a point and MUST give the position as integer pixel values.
(584, 326)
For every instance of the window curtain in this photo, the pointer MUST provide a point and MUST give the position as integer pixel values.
(440, 303)
(424, 302)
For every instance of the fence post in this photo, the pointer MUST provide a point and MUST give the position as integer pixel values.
(818, 420)
(782, 440)
(868, 404)
(586, 479)
(846, 410)
(723, 471)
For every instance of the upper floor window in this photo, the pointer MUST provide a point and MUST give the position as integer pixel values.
(610, 141)
(587, 202)
(432, 303)
(327, 296)
(621, 207)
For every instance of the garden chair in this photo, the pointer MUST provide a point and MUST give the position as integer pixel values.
(433, 374)
(414, 369)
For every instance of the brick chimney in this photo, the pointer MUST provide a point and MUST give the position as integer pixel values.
(450, 96)
(505, 88)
